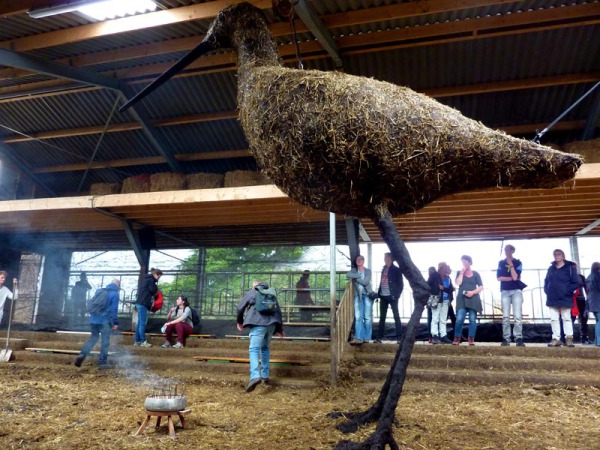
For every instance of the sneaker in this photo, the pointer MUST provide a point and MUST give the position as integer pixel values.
(570, 342)
(266, 382)
(167, 344)
(79, 360)
(435, 340)
(471, 341)
(520, 342)
(430, 340)
(178, 345)
(585, 341)
(376, 341)
(445, 340)
(456, 341)
(145, 344)
(252, 385)
(137, 344)
(505, 343)
(555, 343)
(103, 366)
(356, 342)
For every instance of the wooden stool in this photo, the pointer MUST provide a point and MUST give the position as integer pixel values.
(159, 415)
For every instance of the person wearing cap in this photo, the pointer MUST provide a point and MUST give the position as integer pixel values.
(468, 300)
(179, 320)
(102, 324)
(303, 297)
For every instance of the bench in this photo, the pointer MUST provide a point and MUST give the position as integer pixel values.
(287, 338)
(62, 350)
(199, 336)
(496, 317)
(291, 362)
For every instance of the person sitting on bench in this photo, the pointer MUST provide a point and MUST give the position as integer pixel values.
(179, 320)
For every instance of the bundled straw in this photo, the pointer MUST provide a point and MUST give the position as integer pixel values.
(167, 181)
(104, 188)
(138, 183)
(245, 178)
(590, 150)
(204, 180)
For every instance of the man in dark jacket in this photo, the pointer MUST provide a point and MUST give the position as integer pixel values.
(560, 283)
(390, 289)
(102, 324)
(262, 327)
(143, 304)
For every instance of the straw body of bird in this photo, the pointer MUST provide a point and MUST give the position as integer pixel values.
(347, 144)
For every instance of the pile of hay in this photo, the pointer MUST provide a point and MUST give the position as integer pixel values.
(238, 178)
(167, 181)
(104, 188)
(138, 183)
(204, 180)
(590, 150)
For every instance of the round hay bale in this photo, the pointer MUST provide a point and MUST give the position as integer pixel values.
(104, 188)
(167, 181)
(238, 178)
(138, 183)
(204, 180)
(590, 150)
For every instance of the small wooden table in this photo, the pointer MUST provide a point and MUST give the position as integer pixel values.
(159, 415)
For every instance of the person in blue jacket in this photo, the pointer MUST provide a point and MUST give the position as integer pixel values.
(102, 324)
(560, 283)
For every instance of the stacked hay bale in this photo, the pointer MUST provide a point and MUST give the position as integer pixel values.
(204, 180)
(138, 183)
(167, 181)
(104, 188)
(590, 150)
(238, 178)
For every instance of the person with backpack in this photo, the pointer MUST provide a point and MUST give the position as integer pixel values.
(179, 320)
(148, 290)
(258, 310)
(103, 308)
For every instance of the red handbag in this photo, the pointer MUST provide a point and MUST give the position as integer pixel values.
(158, 302)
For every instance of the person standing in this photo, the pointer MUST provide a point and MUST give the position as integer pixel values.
(144, 304)
(439, 285)
(559, 285)
(467, 300)
(449, 293)
(509, 275)
(102, 324)
(390, 289)
(363, 305)
(262, 327)
(79, 296)
(4, 292)
(593, 286)
(303, 297)
(582, 310)
(179, 320)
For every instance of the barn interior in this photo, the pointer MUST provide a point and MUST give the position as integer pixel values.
(175, 170)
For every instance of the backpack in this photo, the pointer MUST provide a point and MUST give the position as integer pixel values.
(266, 300)
(195, 317)
(98, 304)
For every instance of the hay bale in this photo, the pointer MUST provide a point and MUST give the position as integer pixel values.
(167, 181)
(104, 188)
(590, 150)
(204, 180)
(237, 178)
(553, 146)
(138, 183)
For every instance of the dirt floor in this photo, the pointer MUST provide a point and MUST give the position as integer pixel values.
(61, 407)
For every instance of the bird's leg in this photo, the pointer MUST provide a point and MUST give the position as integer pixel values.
(385, 407)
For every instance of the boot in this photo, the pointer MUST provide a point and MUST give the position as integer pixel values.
(570, 342)
(456, 341)
(471, 341)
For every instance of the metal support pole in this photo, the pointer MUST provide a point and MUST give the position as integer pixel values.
(332, 297)
(575, 251)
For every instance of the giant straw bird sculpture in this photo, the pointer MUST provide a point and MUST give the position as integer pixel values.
(362, 147)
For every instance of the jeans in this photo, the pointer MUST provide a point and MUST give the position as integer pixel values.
(260, 338)
(142, 319)
(438, 319)
(512, 298)
(384, 301)
(363, 313)
(555, 315)
(461, 314)
(597, 329)
(97, 330)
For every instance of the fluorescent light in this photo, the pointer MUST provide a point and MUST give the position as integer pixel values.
(96, 9)
(111, 9)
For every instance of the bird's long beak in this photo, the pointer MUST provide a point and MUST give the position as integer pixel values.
(202, 48)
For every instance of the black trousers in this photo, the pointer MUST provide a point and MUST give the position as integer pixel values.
(384, 302)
